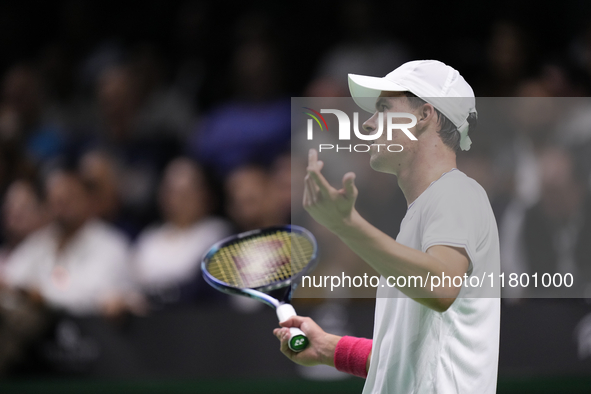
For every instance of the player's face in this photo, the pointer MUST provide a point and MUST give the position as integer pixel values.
(382, 159)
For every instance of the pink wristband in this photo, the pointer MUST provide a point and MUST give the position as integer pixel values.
(351, 355)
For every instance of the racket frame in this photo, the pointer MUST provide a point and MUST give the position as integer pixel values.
(297, 341)
(259, 292)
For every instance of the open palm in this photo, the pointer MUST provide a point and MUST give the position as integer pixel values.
(328, 206)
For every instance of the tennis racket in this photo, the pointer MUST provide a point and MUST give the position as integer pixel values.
(258, 262)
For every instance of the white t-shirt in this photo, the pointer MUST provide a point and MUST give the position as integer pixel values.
(92, 267)
(168, 255)
(418, 350)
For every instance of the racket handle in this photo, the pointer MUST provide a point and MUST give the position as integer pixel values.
(298, 341)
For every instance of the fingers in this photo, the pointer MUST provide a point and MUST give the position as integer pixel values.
(311, 195)
(314, 168)
(280, 333)
(349, 185)
(315, 183)
(313, 161)
(294, 321)
(312, 158)
(320, 182)
(284, 347)
(283, 335)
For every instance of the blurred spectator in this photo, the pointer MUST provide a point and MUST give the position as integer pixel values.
(167, 258)
(508, 60)
(252, 199)
(23, 319)
(560, 80)
(139, 153)
(553, 237)
(534, 115)
(138, 159)
(281, 183)
(99, 170)
(24, 117)
(76, 263)
(575, 132)
(102, 171)
(118, 96)
(23, 212)
(255, 124)
(164, 109)
(478, 164)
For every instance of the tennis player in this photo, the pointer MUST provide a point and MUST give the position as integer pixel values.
(440, 340)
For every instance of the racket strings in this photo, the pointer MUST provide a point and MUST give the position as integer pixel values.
(261, 260)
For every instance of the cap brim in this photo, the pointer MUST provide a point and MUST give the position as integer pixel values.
(365, 90)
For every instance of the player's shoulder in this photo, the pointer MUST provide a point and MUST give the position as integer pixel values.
(457, 184)
(457, 192)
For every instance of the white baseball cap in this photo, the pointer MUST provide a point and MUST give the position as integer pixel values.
(433, 81)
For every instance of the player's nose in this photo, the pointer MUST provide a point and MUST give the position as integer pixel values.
(369, 126)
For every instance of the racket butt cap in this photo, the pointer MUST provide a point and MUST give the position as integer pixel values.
(297, 340)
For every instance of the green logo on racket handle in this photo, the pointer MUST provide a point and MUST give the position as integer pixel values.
(298, 343)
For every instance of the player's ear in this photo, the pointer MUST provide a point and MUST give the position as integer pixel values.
(427, 114)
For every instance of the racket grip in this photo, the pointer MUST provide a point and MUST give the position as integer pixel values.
(298, 341)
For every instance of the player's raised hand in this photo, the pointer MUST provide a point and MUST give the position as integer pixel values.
(327, 205)
(322, 345)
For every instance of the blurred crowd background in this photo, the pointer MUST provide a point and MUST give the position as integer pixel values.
(134, 135)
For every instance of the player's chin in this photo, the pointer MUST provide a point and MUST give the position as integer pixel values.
(378, 163)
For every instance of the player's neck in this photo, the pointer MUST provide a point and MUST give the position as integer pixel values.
(427, 166)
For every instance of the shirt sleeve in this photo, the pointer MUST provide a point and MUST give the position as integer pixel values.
(453, 217)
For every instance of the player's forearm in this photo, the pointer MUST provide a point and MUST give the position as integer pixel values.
(390, 258)
(327, 349)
